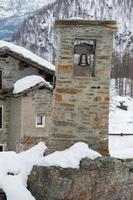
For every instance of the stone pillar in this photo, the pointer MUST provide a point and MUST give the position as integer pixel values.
(81, 98)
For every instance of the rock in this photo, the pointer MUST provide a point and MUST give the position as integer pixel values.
(103, 178)
(2, 195)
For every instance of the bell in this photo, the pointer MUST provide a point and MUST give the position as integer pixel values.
(83, 61)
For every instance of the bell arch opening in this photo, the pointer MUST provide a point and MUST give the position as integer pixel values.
(84, 58)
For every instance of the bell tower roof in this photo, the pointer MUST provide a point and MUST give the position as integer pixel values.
(76, 22)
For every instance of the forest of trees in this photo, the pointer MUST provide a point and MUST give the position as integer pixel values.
(122, 72)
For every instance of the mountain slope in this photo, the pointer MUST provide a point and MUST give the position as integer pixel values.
(37, 33)
(13, 12)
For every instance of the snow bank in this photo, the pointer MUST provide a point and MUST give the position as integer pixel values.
(20, 165)
(121, 146)
(28, 82)
(120, 121)
(15, 168)
(122, 153)
(69, 158)
(26, 54)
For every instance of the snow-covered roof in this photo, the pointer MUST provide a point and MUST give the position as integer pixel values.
(29, 82)
(74, 18)
(28, 55)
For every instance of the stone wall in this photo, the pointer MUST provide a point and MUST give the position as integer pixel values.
(102, 179)
(24, 109)
(82, 102)
(4, 103)
(14, 122)
(13, 118)
(2, 195)
(11, 72)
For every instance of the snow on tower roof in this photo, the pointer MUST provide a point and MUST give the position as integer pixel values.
(27, 55)
(29, 82)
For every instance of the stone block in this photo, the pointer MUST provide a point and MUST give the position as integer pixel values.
(100, 179)
(58, 97)
(64, 69)
(2, 195)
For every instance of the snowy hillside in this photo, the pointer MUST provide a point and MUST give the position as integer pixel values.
(121, 121)
(13, 13)
(10, 8)
(37, 31)
(120, 125)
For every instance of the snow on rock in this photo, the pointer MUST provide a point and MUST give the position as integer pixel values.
(74, 18)
(69, 158)
(14, 171)
(28, 82)
(26, 54)
(15, 168)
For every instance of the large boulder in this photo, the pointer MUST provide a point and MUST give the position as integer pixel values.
(103, 178)
(2, 195)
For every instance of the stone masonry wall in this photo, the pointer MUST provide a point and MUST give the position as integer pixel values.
(5, 121)
(10, 74)
(102, 179)
(24, 134)
(82, 103)
(40, 102)
(11, 71)
(37, 102)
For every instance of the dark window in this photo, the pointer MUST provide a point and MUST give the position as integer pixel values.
(0, 79)
(49, 78)
(0, 117)
(84, 58)
(1, 148)
(54, 82)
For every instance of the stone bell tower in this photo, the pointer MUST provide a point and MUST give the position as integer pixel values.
(81, 103)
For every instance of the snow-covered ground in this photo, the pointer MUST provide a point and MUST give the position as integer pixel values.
(14, 171)
(120, 122)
